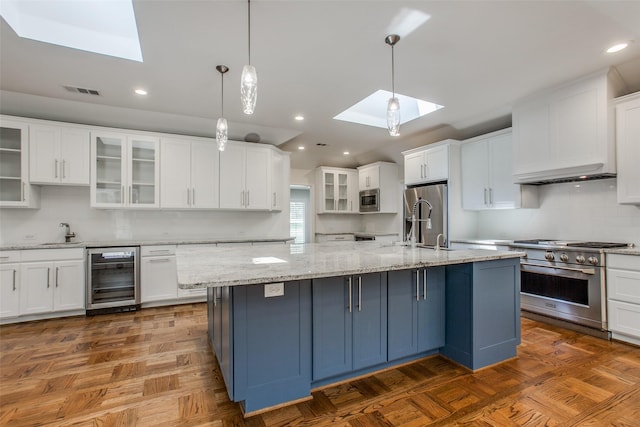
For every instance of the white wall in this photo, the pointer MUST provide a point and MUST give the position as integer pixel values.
(71, 204)
(576, 211)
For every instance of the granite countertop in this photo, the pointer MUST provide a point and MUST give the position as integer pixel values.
(357, 233)
(623, 251)
(200, 267)
(141, 242)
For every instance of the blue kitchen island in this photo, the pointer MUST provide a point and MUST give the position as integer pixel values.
(286, 319)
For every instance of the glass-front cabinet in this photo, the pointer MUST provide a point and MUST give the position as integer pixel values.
(125, 171)
(15, 190)
(339, 190)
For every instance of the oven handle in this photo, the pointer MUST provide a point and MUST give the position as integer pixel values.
(590, 271)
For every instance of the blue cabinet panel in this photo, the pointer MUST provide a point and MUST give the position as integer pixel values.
(369, 320)
(416, 311)
(332, 326)
(272, 345)
(349, 323)
(431, 319)
(482, 312)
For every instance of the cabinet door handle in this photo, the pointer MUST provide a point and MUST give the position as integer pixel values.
(24, 192)
(48, 277)
(14, 279)
(130, 195)
(160, 260)
(188, 197)
(485, 196)
(193, 196)
(55, 168)
(359, 293)
(424, 282)
(64, 168)
(57, 276)
(159, 251)
(418, 285)
(350, 294)
(248, 198)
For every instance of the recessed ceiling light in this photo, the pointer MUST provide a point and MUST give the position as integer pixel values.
(372, 111)
(346, 153)
(299, 117)
(617, 47)
(301, 147)
(140, 92)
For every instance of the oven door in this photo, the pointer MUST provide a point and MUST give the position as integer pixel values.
(573, 294)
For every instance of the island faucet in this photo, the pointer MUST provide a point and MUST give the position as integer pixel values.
(412, 232)
(437, 247)
(69, 235)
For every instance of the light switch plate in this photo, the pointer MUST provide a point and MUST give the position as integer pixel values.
(274, 290)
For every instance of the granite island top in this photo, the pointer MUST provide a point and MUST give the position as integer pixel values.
(200, 267)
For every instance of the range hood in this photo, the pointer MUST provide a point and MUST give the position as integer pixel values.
(578, 173)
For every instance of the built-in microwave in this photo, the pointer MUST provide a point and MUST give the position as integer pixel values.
(370, 200)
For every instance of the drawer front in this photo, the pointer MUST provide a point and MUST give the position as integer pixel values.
(623, 285)
(9, 256)
(623, 262)
(340, 238)
(160, 250)
(52, 254)
(624, 318)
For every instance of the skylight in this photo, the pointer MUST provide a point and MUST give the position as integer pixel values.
(372, 111)
(107, 27)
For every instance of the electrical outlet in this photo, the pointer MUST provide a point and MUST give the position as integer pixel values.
(274, 290)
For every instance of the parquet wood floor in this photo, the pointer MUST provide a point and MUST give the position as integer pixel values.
(154, 367)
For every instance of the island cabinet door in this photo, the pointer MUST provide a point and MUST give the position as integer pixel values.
(416, 311)
(332, 326)
(349, 324)
(271, 343)
(369, 320)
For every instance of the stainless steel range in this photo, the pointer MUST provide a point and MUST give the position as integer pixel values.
(565, 280)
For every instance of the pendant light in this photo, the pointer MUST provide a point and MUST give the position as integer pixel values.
(393, 107)
(222, 128)
(249, 79)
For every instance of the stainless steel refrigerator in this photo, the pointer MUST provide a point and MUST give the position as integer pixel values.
(436, 195)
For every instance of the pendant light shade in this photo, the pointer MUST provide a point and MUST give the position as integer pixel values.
(249, 79)
(393, 116)
(393, 107)
(222, 130)
(249, 88)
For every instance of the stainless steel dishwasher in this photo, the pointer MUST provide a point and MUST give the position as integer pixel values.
(113, 280)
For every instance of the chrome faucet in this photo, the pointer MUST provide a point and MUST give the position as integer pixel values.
(69, 235)
(437, 247)
(412, 232)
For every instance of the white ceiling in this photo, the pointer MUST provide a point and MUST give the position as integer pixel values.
(318, 58)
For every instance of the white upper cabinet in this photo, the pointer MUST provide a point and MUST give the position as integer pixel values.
(338, 190)
(15, 188)
(280, 169)
(188, 174)
(369, 177)
(245, 177)
(382, 176)
(487, 177)
(628, 148)
(565, 132)
(125, 171)
(426, 164)
(58, 155)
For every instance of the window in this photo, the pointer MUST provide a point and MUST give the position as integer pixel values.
(299, 222)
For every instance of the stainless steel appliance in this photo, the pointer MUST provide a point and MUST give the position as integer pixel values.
(370, 200)
(113, 280)
(565, 280)
(433, 212)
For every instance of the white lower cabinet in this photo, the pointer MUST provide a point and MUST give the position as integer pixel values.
(52, 280)
(158, 273)
(623, 297)
(10, 284)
